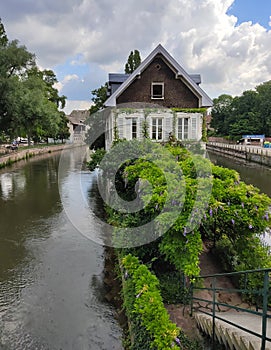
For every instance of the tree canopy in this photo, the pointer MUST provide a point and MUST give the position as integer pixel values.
(249, 113)
(96, 121)
(29, 101)
(133, 62)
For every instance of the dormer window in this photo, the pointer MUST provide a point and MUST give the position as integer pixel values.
(157, 91)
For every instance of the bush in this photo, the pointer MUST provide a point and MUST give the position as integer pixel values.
(96, 158)
(150, 324)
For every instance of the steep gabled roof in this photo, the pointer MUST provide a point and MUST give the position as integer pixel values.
(78, 117)
(205, 100)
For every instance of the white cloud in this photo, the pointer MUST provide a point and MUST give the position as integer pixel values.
(198, 33)
(72, 105)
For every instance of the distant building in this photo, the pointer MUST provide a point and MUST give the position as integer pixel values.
(159, 97)
(77, 125)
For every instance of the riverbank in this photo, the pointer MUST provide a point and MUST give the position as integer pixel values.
(254, 154)
(26, 153)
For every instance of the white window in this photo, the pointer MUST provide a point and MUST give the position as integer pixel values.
(183, 128)
(157, 128)
(157, 91)
(134, 128)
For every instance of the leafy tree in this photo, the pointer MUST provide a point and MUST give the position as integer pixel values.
(29, 101)
(63, 129)
(99, 98)
(96, 120)
(14, 61)
(249, 113)
(3, 36)
(221, 113)
(49, 77)
(133, 62)
(264, 106)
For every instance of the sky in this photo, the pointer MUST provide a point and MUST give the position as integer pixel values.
(227, 41)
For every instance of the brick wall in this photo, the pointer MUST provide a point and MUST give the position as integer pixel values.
(176, 93)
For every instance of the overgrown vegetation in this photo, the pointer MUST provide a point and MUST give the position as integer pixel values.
(96, 158)
(150, 326)
(202, 201)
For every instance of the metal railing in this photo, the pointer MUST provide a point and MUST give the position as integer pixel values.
(260, 298)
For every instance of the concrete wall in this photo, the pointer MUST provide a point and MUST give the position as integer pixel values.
(254, 154)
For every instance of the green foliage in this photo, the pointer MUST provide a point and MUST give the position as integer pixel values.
(233, 218)
(204, 128)
(249, 113)
(133, 62)
(97, 118)
(144, 307)
(96, 158)
(238, 214)
(172, 288)
(239, 211)
(29, 102)
(3, 35)
(189, 110)
(99, 98)
(221, 114)
(238, 256)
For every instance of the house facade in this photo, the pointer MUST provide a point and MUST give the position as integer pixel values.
(77, 126)
(158, 100)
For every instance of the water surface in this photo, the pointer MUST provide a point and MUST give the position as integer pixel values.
(51, 276)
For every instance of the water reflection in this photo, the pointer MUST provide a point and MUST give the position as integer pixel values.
(11, 184)
(51, 275)
(25, 198)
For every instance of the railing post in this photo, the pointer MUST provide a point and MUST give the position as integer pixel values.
(214, 301)
(191, 298)
(265, 304)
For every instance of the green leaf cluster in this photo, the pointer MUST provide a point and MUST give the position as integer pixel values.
(96, 158)
(145, 309)
(249, 113)
(133, 62)
(29, 101)
(230, 213)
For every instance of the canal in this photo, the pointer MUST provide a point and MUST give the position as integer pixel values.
(51, 276)
(250, 173)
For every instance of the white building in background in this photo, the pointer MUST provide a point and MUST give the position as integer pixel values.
(77, 126)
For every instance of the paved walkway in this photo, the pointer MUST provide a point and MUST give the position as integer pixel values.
(233, 337)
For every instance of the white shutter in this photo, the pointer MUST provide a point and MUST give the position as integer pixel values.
(194, 128)
(140, 124)
(168, 126)
(127, 128)
(120, 126)
(149, 125)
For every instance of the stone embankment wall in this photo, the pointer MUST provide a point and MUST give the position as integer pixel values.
(254, 154)
(20, 154)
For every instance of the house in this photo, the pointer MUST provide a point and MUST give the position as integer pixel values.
(159, 99)
(77, 125)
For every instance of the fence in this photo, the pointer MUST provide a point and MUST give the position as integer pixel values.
(260, 296)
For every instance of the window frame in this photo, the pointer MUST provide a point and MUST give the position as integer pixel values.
(182, 124)
(156, 124)
(134, 128)
(157, 97)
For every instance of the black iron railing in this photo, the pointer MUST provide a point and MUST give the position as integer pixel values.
(260, 297)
